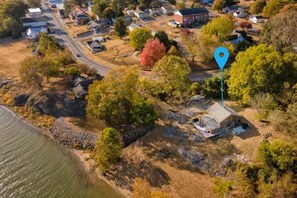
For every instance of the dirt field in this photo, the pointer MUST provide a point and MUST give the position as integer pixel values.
(117, 52)
(12, 52)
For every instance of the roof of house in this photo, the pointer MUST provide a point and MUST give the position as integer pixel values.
(167, 7)
(193, 11)
(93, 44)
(233, 7)
(28, 20)
(79, 91)
(133, 25)
(211, 123)
(220, 113)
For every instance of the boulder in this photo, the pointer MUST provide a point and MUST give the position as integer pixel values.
(21, 99)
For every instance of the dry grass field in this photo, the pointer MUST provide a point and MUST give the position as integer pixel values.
(12, 53)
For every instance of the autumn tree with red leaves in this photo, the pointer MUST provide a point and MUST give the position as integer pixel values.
(153, 51)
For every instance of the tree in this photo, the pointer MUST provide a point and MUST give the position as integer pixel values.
(264, 103)
(139, 36)
(180, 5)
(274, 6)
(257, 6)
(11, 13)
(98, 7)
(117, 100)
(212, 86)
(172, 72)
(120, 27)
(218, 5)
(47, 44)
(108, 148)
(190, 41)
(34, 3)
(72, 71)
(172, 2)
(277, 155)
(222, 188)
(260, 69)
(174, 52)
(142, 189)
(30, 72)
(220, 27)
(109, 13)
(229, 2)
(279, 31)
(68, 6)
(163, 37)
(206, 44)
(153, 51)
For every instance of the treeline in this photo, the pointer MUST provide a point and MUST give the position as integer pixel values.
(52, 61)
(274, 175)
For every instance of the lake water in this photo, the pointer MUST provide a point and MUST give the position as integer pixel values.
(31, 165)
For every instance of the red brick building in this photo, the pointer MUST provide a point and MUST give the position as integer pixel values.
(189, 16)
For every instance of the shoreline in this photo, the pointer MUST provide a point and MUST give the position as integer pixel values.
(88, 164)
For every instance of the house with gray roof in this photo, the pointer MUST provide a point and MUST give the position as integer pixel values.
(216, 121)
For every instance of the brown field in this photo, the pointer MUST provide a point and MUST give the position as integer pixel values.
(117, 52)
(12, 52)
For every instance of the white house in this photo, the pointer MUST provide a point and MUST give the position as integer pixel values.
(140, 14)
(35, 12)
(240, 14)
(133, 26)
(130, 12)
(155, 11)
(257, 19)
(32, 33)
(33, 22)
(168, 9)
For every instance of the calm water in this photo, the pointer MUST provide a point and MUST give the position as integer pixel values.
(32, 166)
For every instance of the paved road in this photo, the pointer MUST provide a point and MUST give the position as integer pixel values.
(76, 48)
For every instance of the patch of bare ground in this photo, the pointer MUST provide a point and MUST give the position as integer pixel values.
(12, 53)
(248, 143)
(118, 51)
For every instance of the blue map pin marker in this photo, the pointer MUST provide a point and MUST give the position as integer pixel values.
(221, 60)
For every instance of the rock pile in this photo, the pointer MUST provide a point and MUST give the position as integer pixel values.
(71, 136)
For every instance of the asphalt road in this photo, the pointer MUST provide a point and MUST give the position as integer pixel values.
(76, 48)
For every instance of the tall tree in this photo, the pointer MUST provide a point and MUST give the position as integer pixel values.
(120, 27)
(11, 12)
(108, 148)
(260, 69)
(30, 72)
(139, 36)
(172, 72)
(257, 6)
(153, 51)
(163, 37)
(280, 31)
(220, 27)
(34, 3)
(218, 5)
(117, 99)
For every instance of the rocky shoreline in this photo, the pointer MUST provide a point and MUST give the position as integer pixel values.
(88, 164)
